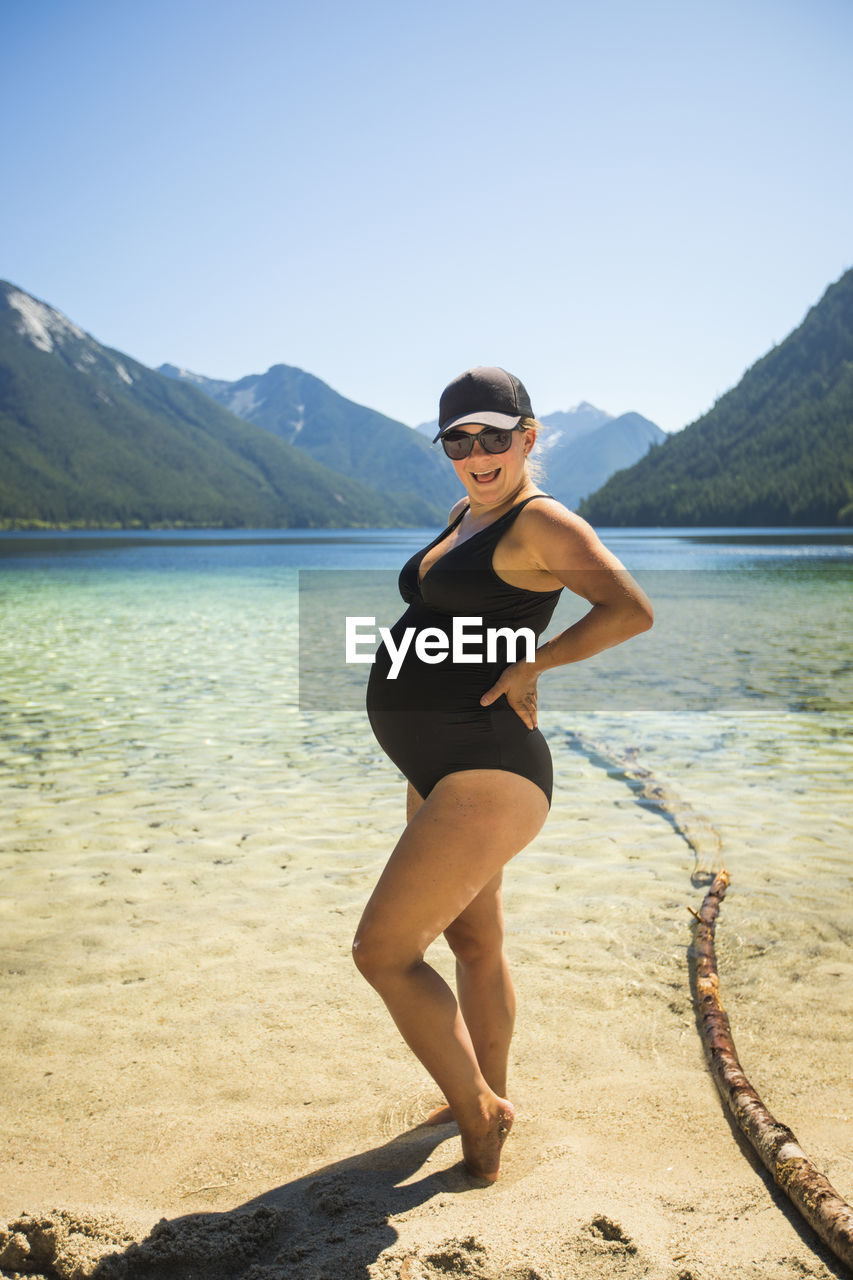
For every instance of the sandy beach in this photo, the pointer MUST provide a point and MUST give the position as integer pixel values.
(197, 1083)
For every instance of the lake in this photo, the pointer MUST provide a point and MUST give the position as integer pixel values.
(169, 659)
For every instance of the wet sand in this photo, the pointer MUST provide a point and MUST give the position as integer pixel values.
(197, 1083)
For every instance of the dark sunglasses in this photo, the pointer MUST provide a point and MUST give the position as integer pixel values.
(458, 444)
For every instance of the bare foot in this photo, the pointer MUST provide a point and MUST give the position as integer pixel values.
(439, 1115)
(481, 1146)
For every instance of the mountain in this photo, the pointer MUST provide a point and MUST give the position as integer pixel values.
(582, 446)
(776, 449)
(580, 464)
(567, 424)
(89, 437)
(359, 442)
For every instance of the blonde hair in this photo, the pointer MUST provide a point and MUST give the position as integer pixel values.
(535, 466)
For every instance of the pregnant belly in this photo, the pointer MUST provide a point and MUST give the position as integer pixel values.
(402, 679)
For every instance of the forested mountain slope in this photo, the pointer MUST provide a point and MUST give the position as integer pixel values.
(775, 450)
(305, 412)
(91, 438)
(577, 466)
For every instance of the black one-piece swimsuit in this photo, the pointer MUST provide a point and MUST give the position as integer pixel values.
(429, 720)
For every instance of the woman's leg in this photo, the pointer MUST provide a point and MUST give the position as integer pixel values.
(483, 983)
(485, 990)
(471, 824)
(484, 987)
(414, 800)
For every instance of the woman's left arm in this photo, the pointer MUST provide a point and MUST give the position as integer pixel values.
(565, 549)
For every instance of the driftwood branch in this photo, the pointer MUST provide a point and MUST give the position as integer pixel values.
(693, 827)
(815, 1197)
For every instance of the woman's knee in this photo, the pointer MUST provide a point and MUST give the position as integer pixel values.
(377, 954)
(480, 945)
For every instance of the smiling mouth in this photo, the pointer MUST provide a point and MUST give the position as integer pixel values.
(483, 477)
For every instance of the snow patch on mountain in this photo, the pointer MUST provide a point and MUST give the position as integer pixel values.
(84, 364)
(243, 402)
(124, 375)
(40, 323)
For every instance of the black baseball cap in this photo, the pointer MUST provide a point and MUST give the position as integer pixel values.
(485, 396)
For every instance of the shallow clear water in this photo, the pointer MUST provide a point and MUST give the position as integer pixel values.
(150, 665)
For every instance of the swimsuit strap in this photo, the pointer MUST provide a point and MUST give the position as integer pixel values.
(511, 514)
(477, 549)
(519, 505)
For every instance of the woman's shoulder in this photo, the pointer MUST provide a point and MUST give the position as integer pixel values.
(550, 529)
(457, 509)
(542, 511)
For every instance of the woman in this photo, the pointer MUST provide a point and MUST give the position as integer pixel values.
(464, 732)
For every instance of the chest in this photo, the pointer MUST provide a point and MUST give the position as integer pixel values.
(477, 549)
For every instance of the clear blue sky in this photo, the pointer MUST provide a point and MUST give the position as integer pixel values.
(622, 201)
